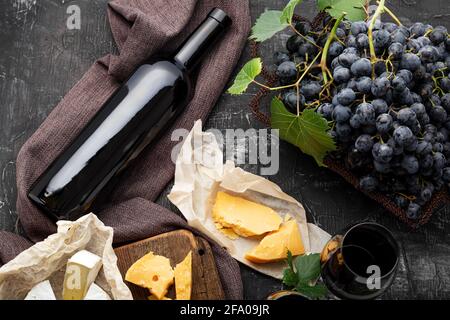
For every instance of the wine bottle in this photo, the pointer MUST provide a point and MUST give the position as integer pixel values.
(134, 117)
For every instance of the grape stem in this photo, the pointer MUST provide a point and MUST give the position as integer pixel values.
(393, 16)
(296, 84)
(380, 9)
(323, 60)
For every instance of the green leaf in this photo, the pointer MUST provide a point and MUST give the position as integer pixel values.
(288, 11)
(290, 277)
(247, 74)
(353, 8)
(267, 25)
(308, 267)
(316, 292)
(308, 131)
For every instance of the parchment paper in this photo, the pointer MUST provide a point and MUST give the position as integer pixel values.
(200, 173)
(47, 260)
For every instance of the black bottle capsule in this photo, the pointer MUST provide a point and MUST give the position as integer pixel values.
(134, 117)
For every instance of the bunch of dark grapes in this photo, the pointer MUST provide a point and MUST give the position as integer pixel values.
(390, 117)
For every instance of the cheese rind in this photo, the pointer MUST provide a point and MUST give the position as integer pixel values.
(81, 271)
(42, 291)
(96, 293)
(183, 278)
(275, 245)
(244, 217)
(152, 272)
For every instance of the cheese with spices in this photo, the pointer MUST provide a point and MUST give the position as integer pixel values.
(183, 278)
(275, 245)
(152, 272)
(244, 217)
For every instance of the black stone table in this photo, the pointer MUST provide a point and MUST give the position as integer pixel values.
(40, 60)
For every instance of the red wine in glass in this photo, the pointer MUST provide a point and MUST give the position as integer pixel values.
(360, 263)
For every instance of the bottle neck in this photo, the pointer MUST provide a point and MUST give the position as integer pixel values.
(196, 46)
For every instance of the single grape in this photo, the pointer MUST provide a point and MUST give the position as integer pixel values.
(446, 174)
(407, 116)
(403, 136)
(384, 123)
(355, 121)
(395, 50)
(438, 35)
(335, 49)
(380, 86)
(308, 47)
(341, 113)
(424, 148)
(341, 75)
(346, 59)
(368, 183)
(417, 29)
(439, 161)
(413, 211)
(287, 72)
(411, 164)
(326, 109)
(367, 113)
(303, 27)
(290, 100)
(438, 114)
(410, 61)
(382, 152)
(401, 201)
(362, 41)
(346, 96)
(364, 84)
(380, 106)
(358, 27)
(382, 39)
(343, 130)
(364, 143)
(310, 89)
(398, 84)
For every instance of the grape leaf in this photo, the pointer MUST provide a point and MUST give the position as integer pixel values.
(353, 8)
(267, 25)
(308, 267)
(288, 11)
(316, 292)
(247, 74)
(290, 277)
(308, 131)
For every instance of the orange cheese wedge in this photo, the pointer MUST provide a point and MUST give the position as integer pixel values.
(244, 217)
(183, 278)
(275, 245)
(152, 272)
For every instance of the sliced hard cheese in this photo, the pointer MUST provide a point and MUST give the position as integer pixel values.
(41, 291)
(275, 245)
(245, 217)
(152, 272)
(96, 293)
(81, 271)
(183, 278)
(228, 232)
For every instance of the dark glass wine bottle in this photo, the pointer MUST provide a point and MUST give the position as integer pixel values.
(130, 120)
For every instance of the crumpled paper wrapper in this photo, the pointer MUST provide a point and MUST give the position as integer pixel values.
(200, 173)
(47, 260)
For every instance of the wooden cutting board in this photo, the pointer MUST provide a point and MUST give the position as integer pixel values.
(175, 246)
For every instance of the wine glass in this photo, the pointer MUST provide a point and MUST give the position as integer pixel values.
(360, 262)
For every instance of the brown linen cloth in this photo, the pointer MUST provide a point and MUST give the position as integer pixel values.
(140, 28)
